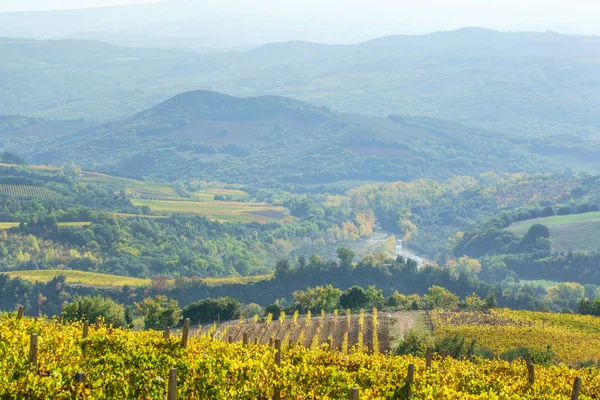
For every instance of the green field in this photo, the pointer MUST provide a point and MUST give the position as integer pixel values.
(209, 194)
(82, 278)
(229, 211)
(132, 187)
(575, 232)
(8, 225)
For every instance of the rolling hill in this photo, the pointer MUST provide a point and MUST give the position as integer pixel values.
(271, 140)
(522, 83)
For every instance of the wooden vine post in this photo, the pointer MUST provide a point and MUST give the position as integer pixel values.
(530, 369)
(97, 324)
(353, 394)
(277, 395)
(186, 333)
(245, 338)
(33, 349)
(167, 333)
(428, 357)
(86, 329)
(410, 378)
(172, 393)
(20, 312)
(230, 339)
(576, 389)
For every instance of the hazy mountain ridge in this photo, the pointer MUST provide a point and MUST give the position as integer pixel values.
(273, 140)
(523, 83)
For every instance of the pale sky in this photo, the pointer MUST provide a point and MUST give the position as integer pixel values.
(372, 18)
(32, 5)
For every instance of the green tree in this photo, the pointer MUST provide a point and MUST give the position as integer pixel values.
(474, 303)
(318, 298)
(159, 312)
(92, 307)
(375, 297)
(345, 256)
(282, 269)
(441, 298)
(128, 317)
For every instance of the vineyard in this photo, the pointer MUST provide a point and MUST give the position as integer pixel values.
(340, 331)
(28, 191)
(574, 338)
(46, 359)
(79, 278)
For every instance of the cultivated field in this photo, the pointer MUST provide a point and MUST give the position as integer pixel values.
(229, 211)
(576, 232)
(344, 331)
(28, 191)
(164, 200)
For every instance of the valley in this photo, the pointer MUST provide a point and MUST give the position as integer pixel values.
(411, 216)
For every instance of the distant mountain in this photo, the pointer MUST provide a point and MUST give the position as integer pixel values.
(527, 84)
(277, 141)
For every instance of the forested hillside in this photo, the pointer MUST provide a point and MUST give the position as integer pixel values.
(276, 141)
(55, 218)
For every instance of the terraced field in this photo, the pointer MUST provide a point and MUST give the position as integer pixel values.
(576, 232)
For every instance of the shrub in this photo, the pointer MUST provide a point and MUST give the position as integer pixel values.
(273, 309)
(211, 310)
(456, 346)
(415, 342)
(542, 357)
(354, 298)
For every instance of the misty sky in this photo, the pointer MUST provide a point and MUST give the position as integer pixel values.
(372, 18)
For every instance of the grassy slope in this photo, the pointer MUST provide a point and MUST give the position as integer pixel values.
(132, 187)
(84, 278)
(8, 225)
(576, 232)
